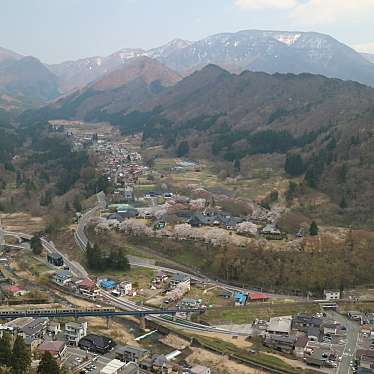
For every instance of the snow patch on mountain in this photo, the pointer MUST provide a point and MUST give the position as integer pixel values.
(288, 39)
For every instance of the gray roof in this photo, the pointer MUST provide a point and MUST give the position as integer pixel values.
(180, 277)
(35, 327)
(130, 349)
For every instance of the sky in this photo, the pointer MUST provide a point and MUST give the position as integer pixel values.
(60, 30)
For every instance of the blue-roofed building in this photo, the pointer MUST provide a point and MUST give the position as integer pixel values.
(108, 284)
(240, 298)
(62, 277)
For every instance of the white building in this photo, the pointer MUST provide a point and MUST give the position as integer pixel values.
(331, 294)
(75, 331)
(126, 287)
(113, 367)
(280, 326)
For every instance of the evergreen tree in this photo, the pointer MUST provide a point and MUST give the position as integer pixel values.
(343, 203)
(36, 245)
(294, 165)
(183, 149)
(77, 204)
(313, 229)
(21, 357)
(5, 350)
(237, 165)
(48, 365)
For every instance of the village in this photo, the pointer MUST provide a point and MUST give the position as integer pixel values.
(311, 335)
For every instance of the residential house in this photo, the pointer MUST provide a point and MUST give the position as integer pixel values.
(302, 322)
(96, 343)
(161, 365)
(280, 343)
(53, 328)
(271, 232)
(34, 330)
(14, 291)
(126, 287)
(55, 259)
(113, 367)
(331, 295)
(74, 332)
(280, 326)
(180, 278)
(87, 288)
(62, 278)
(300, 345)
(56, 348)
(129, 353)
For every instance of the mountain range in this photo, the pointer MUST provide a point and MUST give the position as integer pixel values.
(265, 51)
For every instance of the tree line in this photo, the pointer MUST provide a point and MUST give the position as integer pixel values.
(16, 357)
(99, 259)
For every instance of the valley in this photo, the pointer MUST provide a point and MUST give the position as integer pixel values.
(200, 207)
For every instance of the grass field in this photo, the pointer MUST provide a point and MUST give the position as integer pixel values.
(248, 314)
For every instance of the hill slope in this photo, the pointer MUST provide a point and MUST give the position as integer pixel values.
(118, 91)
(26, 82)
(223, 116)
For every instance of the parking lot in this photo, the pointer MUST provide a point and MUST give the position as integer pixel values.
(78, 360)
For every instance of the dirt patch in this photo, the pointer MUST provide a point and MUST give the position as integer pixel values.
(119, 333)
(175, 342)
(218, 364)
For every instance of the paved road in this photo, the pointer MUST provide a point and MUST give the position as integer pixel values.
(80, 235)
(353, 329)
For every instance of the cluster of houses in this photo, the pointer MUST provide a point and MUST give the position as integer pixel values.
(42, 334)
(121, 167)
(301, 334)
(159, 364)
(90, 289)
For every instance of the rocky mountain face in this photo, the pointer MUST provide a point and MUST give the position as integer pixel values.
(266, 51)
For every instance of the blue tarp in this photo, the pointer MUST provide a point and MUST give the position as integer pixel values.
(108, 284)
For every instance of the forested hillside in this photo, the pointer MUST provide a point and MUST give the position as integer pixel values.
(40, 172)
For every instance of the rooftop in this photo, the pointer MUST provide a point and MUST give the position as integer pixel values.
(113, 366)
(53, 346)
(280, 324)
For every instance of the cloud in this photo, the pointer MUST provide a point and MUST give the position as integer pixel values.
(365, 48)
(317, 12)
(312, 12)
(265, 4)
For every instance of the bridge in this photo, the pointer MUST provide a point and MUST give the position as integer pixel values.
(88, 312)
